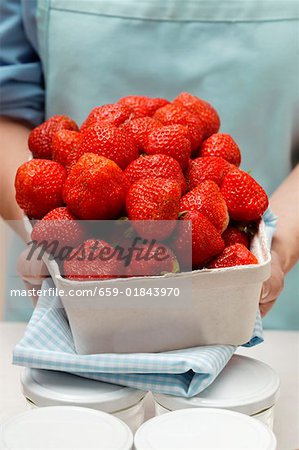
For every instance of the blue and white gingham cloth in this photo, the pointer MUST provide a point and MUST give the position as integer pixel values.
(48, 344)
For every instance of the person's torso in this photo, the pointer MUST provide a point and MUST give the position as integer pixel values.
(240, 56)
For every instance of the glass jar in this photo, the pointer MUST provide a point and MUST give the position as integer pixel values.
(204, 428)
(50, 388)
(245, 385)
(65, 427)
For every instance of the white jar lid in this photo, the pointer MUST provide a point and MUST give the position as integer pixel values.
(65, 427)
(245, 385)
(204, 429)
(50, 388)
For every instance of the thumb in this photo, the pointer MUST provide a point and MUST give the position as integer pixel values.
(274, 285)
(265, 291)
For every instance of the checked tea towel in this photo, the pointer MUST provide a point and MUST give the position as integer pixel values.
(48, 344)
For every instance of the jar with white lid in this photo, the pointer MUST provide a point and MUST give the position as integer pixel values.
(51, 388)
(245, 385)
(209, 428)
(65, 427)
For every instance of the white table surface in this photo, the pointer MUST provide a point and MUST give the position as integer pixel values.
(280, 350)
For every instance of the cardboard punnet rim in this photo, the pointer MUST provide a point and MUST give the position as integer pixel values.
(245, 273)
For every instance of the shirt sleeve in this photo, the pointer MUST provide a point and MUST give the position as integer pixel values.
(21, 77)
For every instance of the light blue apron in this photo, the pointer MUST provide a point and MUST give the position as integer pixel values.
(242, 56)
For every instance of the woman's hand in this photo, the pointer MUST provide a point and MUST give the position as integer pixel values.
(285, 243)
(273, 286)
(32, 271)
(14, 152)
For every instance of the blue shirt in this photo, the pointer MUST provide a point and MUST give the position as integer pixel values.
(21, 76)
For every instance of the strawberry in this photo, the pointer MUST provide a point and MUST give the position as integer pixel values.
(234, 236)
(39, 184)
(107, 140)
(206, 168)
(58, 225)
(95, 188)
(40, 138)
(143, 106)
(171, 140)
(154, 199)
(173, 114)
(206, 198)
(206, 239)
(246, 200)
(65, 144)
(152, 259)
(155, 166)
(207, 114)
(223, 145)
(113, 113)
(140, 128)
(234, 255)
(92, 260)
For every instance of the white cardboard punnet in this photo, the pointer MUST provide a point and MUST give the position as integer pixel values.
(216, 306)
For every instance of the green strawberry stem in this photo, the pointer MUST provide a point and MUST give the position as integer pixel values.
(181, 214)
(175, 268)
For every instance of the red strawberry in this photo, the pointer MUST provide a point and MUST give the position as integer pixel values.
(171, 140)
(39, 184)
(154, 199)
(109, 141)
(58, 225)
(92, 260)
(65, 144)
(140, 129)
(202, 109)
(155, 166)
(234, 236)
(172, 114)
(221, 144)
(246, 200)
(206, 168)
(206, 240)
(40, 138)
(152, 259)
(114, 114)
(234, 255)
(206, 198)
(95, 188)
(143, 106)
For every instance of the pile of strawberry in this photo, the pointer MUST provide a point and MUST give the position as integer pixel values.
(147, 159)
